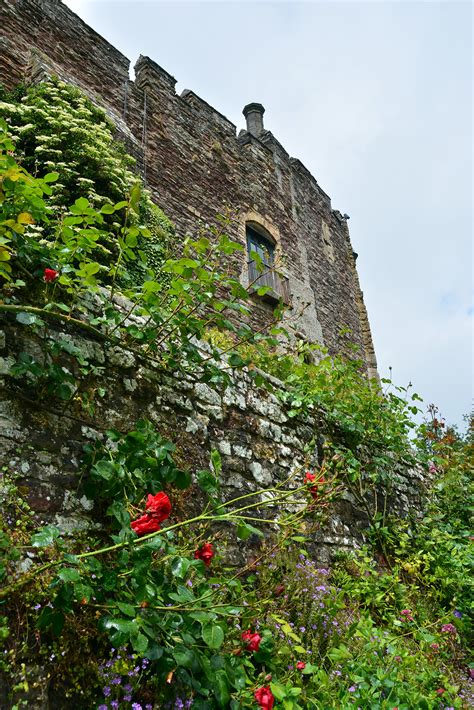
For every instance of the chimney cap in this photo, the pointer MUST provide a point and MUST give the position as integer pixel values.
(253, 107)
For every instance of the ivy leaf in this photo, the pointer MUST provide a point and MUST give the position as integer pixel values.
(46, 536)
(26, 318)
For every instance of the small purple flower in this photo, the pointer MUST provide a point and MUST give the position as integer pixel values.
(106, 691)
(114, 704)
(136, 706)
(117, 680)
(457, 614)
(37, 606)
(352, 689)
(127, 698)
(103, 707)
(128, 688)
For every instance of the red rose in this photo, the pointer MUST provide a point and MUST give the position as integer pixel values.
(301, 665)
(50, 275)
(310, 478)
(251, 641)
(144, 525)
(264, 698)
(159, 506)
(205, 553)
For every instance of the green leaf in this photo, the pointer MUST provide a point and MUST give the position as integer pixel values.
(51, 177)
(244, 531)
(26, 318)
(183, 479)
(139, 643)
(51, 619)
(126, 609)
(221, 689)
(179, 566)
(107, 209)
(69, 575)
(216, 462)
(279, 691)
(46, 536)
(81, 203)
(184, 657)
(104, 469)
(213, 635)
(207, 482)
(125, 626)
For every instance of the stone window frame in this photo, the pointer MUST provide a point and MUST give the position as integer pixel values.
(269, 233)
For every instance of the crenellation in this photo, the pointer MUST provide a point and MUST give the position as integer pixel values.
(196, 166)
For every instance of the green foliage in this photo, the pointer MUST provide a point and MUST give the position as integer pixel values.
(128, 465)
(368, 633)
(56, 130)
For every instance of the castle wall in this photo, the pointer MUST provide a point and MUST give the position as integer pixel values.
(196, 167)
(261, 443)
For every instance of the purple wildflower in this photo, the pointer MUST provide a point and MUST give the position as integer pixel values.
(448, 629)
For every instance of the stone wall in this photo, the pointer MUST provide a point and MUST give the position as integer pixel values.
(260, 444)
(196, 167)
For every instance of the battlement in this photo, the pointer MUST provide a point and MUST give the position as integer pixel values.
(196, 166)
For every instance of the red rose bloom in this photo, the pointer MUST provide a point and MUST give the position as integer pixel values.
(301, 665)
(158, 508)
(50, 275)
(205, 553)
(310, 478)
(144, 525)
(264, 698)
(251, 641)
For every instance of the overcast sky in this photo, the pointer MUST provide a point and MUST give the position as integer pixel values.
(375, 98)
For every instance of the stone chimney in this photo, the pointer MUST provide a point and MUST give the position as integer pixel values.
(254, 116)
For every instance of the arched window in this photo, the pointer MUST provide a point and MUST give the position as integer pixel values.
(262, 247)
(261, 266)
